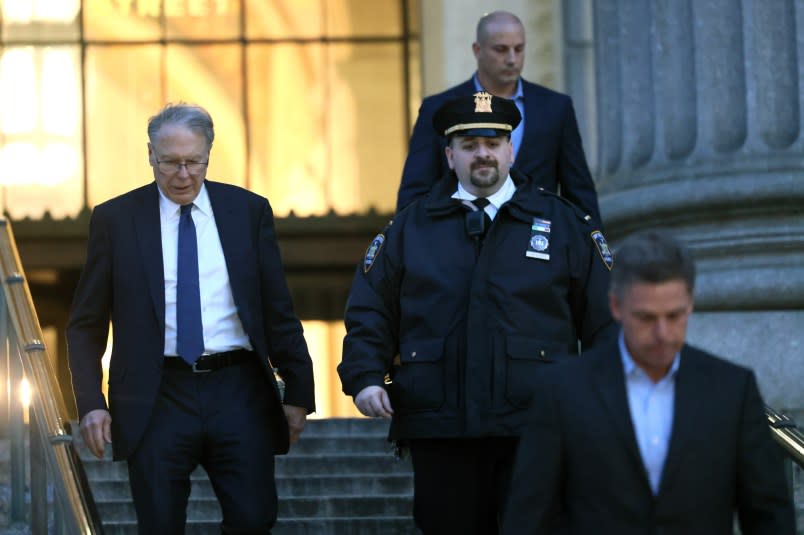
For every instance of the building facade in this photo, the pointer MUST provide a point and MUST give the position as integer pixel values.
(314, 100)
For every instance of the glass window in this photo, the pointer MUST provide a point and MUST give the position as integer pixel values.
(210, 75)
(202, 19)
(43, 20)
(123, 89)
(40, 129)
(367, 96)
(110, 20)
(279, 19)
(286, 125)
(358, 18)
(312, 102)
(312, 99)
(313, 19)
(330, 136)
(325, 341)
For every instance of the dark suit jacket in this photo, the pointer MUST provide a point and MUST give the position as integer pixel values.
(551, 152)
(123, 280)
(579, 463)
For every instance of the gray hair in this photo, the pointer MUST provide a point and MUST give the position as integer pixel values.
(651, 257)
(191, 116)
(494, 16)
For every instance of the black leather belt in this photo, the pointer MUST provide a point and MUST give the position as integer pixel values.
(209, 363)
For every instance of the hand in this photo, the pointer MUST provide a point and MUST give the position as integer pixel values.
(297, 417)
(96, 429)
(373, 401)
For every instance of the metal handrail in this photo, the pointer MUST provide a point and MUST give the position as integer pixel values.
(787, 434)
(72, 490)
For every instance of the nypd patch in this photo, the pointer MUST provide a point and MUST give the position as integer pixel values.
(373, 252)
(603, 249)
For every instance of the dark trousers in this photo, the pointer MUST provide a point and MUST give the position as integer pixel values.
(460, 485)
(219, 420)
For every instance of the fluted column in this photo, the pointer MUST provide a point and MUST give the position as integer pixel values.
(700, 131)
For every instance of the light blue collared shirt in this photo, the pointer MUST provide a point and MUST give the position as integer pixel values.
(500, 197)
(652, 411)
(519, 100)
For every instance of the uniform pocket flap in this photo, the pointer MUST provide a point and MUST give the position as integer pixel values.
(429, 350)
(529, 348)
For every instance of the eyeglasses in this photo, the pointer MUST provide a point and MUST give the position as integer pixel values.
(171, 168)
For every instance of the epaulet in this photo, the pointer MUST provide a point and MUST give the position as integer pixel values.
(374, 248)
(388, 225)
(577, 210)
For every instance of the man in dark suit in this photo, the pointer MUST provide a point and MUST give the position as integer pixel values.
(646, 434)
(189, 273)
(547, 145)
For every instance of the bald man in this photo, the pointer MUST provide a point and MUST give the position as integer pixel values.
(547, 145)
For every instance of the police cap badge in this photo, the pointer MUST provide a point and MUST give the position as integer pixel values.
(481, 114)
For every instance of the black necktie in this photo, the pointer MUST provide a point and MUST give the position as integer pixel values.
(189, 330)
(481, 203)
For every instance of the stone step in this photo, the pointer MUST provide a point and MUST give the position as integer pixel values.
(348, 426)
(385, 525)
(341, 443)
(341, 478)
(286, 465)
(346, 436)
(318, 444)
(207, 509)
(316, 485)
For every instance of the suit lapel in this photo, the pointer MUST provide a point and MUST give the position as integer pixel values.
(230, 227)
(529, 99)
(148, 230)
(466, 88)
(690, 392)
(610, 383)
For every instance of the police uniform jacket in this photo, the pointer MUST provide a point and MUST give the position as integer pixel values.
(462, 329)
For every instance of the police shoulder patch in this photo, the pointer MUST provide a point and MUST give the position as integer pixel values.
(603, 249)
(373, 252)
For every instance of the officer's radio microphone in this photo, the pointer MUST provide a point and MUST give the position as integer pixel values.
(475, 222)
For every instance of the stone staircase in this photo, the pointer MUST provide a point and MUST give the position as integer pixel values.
(340, 478)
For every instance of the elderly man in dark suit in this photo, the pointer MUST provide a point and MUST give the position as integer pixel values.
(189, 273)
(547, 145)
(646, 434)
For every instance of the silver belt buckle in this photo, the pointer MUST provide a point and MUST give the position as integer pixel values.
(196, 370)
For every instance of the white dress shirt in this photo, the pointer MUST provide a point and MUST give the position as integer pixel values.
(500, 197)
(652, 410)
(223, 330)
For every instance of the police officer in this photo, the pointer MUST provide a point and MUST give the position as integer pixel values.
(457, 306)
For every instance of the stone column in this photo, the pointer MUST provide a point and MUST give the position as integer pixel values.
(700, 131)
